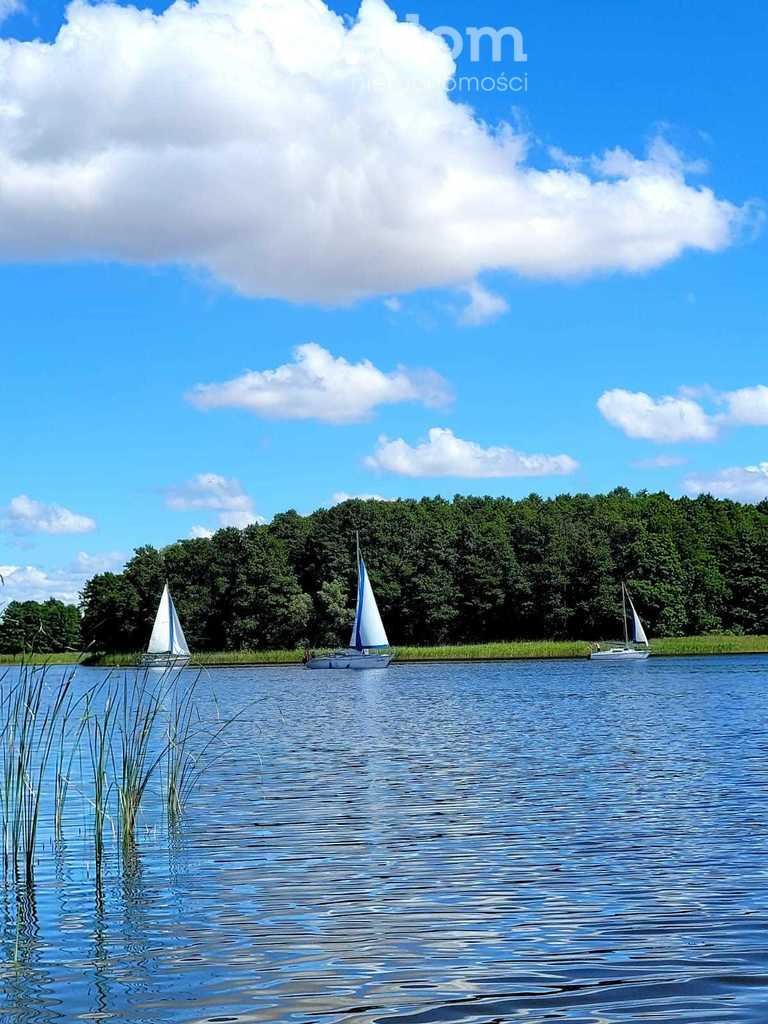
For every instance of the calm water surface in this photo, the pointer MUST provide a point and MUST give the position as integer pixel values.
(516, 842)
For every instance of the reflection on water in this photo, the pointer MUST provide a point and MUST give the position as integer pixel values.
(480, 843)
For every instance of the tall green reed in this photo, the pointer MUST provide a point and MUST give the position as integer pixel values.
(193, 748)
(140, 733)
(29, 722)
(99, 728)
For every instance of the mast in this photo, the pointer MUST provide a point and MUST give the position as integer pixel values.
(357, 641)
(171, 610)
(624, 610)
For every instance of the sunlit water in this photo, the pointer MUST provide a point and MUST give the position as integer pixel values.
(512, 842)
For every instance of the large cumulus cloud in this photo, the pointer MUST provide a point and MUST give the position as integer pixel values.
(292, 155)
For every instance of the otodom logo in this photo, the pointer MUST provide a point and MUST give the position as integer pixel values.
(496, 44)
(483, 44)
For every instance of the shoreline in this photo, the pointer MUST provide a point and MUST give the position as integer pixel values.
(707, 646)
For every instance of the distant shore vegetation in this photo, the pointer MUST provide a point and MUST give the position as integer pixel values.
(448, 574)
(514, 651)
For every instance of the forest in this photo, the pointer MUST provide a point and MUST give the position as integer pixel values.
(471, 570)
(49, 626)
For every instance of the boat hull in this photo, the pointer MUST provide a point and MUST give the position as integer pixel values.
(165, 661)
(351, 661)
(620, 655)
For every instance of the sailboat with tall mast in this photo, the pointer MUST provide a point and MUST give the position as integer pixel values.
(168, 646)
(368, 647)
(635, 648)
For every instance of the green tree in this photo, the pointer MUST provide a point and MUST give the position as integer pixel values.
(471, 569)
(49, 627)
(333, 616)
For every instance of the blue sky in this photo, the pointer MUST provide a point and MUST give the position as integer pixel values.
(105, 335)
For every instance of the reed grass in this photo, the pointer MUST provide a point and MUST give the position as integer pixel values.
(128, 726)
(503, 651)
(709, 645)
(33, 659)
(65, 757)
(496, 652)
(192, 749)
(213, 659)
(28, 729)
(140, 708)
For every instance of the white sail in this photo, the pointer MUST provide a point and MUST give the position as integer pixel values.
(167, 634)
(368, 631)
(638, 633)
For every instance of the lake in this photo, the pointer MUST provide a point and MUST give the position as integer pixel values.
(543, 841)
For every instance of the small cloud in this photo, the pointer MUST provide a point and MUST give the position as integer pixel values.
(444, 454)
(92, 564)
(663, 160)
(319, 386)
(747, 407)
(664, 420)
(484, 306)
(9, 7)
(660, 462)
(749, 483)
(394, 305)
(201, 533)
(340, 497)
(562, 159)
(220, 494)
(24, 515)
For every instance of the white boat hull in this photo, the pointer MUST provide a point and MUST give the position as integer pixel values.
(165, 661)
(355, 661)
(620, 654)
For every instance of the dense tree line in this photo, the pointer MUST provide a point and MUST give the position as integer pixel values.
(49, 628)
(470, 570)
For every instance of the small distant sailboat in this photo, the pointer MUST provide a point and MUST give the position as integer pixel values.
(636, 650)
(369, 646)
(167, 645)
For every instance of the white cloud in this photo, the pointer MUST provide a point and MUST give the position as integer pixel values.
(25, 515)
(393, 304)
(444, 454)
(660, 462)
(662, 158)
(749, 483)
(31, 583)
(341, 496)
(201, 533)
(665, 420)
(298, 155)
(92, 564)
(747, 406)
(319, 386)
(484, 306)
(9, 7)
(218, 493)
(36, 583)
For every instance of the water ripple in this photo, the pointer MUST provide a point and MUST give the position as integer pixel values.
(469, 844)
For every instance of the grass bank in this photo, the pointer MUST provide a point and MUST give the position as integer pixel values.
(68, 658)
(690, 645)
(517, 651)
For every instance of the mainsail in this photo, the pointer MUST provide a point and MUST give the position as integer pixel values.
(638, 633)
(368, 631)
(167, 634)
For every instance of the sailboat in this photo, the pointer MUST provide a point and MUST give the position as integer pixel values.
(639, 648)
(167, 645)
(368, 646)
